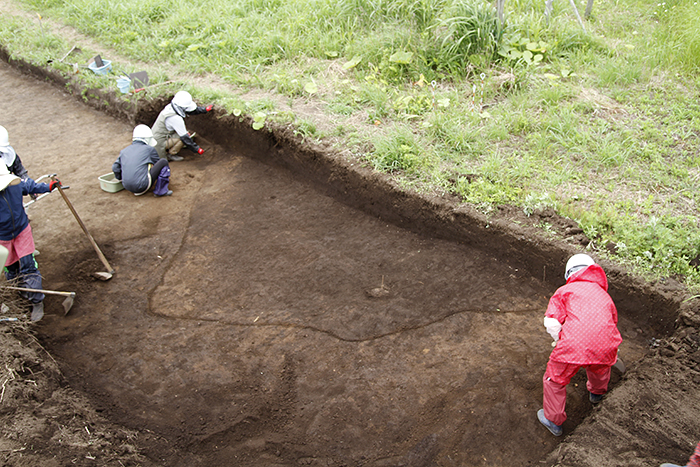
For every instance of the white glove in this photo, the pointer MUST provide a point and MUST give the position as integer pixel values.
(553, 327)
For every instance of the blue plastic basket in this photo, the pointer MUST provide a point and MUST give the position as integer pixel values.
(124, 84)
(101, 70)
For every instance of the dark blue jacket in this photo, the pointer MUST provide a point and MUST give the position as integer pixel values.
(13, 218)
(131, 167)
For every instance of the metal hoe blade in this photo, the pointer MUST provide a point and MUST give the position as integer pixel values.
(67, 304)
(103, 276)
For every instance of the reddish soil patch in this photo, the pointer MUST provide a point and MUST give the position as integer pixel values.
(286, 308)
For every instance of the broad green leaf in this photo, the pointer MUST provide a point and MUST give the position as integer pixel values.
(258, 125)
(332, 54)
(352, 63)
(311, 87)
(444, 102)
(401, 57)
(237, 112)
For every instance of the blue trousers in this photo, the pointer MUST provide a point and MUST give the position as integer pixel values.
(27, 274)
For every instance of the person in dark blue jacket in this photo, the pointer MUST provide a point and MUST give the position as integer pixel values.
(16, 235)
(139, 168)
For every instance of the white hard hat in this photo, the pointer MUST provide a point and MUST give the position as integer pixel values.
(4, 137)
(6, 178)
(183, 99)
(577, 262)
(145, 134)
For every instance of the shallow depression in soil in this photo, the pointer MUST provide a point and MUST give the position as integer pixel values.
(254, 321)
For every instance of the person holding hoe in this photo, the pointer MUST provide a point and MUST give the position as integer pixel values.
(16, 235)
(582, 319)
(139, 168)
(169, 128)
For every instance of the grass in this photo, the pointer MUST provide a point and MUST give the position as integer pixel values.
(599, 124)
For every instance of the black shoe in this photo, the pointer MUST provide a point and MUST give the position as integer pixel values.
(595, 398)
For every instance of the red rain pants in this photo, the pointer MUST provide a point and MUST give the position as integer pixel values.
(558, 376)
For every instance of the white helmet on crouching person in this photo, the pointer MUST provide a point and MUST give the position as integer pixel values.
(183, 103)
(576, 263)
(144, 134)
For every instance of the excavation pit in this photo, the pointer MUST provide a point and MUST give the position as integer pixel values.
(282, 308)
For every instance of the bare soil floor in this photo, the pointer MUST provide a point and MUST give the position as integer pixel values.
(255, 321)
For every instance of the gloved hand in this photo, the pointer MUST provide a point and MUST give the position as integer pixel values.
(53, 184)
(209, 107)
(200, 151)
(553, 327)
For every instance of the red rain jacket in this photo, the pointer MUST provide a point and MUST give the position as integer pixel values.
(588, 316)
(695, 458)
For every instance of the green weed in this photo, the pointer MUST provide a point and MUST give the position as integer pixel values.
(470, 34)
(401, 151)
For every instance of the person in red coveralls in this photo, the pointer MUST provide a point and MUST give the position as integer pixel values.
(693, 462)
(582, 319)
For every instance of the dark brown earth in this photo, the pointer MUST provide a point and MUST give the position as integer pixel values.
(287, 307)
